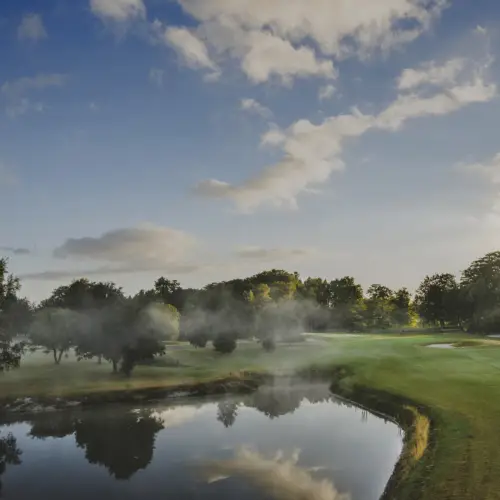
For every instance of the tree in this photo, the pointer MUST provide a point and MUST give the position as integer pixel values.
(480, 286)
(402, 308)
(436, 299)
(344, 291)
(345, 299)
(128, 333)
(11, 323)
(379, 307)
(55, 329)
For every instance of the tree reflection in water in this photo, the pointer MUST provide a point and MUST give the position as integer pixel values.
(122, 443)
(9, 454)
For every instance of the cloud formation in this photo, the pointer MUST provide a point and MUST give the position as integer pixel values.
(14, 92)
(126, 251)
(432, 73)
(148, 244)
(256, 107)
(192, 50)
(274, 254)
(326, 92)
(118, 10)
(31, 28)
(292, 38)
(310, 152)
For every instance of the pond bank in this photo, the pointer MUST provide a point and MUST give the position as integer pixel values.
(242, 383)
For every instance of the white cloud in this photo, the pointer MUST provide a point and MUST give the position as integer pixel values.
(126, 251)
(192, 50)
(269, 55)
(254, 106)
(369, 24)
(488, 170)
(145, 245)
(312, 152)
(260, 254)
(273, 38)
(40, 81)
(481, 30)
(118, 10)
(14, 92)
(432, 73)
(156, 76)
(31, 28)
(326, 92)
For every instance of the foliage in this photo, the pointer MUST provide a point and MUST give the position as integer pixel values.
(224, 343)
(436, 299)
(198, 339)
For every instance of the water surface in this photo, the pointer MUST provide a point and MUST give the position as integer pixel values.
(280, 443)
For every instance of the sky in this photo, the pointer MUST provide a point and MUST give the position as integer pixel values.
(205, 140)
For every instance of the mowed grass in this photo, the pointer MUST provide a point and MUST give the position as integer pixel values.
(461, 387)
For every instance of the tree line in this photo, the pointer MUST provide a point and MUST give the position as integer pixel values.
(99, 321)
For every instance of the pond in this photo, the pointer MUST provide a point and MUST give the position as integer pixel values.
(284, 442)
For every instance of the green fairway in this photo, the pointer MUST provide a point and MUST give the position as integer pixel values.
(460, 387)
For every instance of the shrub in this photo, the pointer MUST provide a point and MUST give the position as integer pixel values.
(198, 339)
(269, 344)
(224, 343)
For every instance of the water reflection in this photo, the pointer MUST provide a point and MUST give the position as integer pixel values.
(280, 476)
(122, 444)
(169, 443)
(10, 454)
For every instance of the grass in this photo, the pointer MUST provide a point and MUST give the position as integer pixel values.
(460, 388)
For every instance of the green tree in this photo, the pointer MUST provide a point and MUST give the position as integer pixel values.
(12, 322)
(402, 312)
(436, 299)
(480, 285)
(55, 329)
(345, 299)
(379, 307)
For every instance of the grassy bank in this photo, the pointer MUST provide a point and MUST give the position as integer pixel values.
(458, 388)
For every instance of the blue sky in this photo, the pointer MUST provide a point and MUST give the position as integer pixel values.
(208, 139)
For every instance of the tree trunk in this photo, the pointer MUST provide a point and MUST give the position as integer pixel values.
(115, 366)
(56, 361)
(60, 356)
(99, 359)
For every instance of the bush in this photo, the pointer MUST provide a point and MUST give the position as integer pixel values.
(198, 339)
(224, 344)
(269, 344)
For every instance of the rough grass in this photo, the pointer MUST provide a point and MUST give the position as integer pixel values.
(461, 387)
